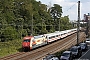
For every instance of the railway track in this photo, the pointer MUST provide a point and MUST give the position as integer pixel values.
(39, 53)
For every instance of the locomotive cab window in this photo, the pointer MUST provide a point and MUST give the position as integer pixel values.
(26, 40)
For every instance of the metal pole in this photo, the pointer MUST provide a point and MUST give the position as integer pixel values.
(78, 24)
(32, 25)
(88, 24)
(59, 25)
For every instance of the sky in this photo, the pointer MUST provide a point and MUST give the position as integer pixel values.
(70, 7)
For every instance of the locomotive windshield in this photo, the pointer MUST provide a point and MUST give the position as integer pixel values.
(27, 40)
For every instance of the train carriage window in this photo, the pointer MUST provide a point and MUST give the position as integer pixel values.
(53, 36)
(56, 35)
(46, 36)
(49, 37)
(62, 34)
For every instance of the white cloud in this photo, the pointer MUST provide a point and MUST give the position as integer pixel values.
(70, 7)
(57, 1)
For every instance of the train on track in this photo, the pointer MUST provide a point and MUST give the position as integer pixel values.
(32, 42)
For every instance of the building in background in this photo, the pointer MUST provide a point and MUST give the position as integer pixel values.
(87, 19)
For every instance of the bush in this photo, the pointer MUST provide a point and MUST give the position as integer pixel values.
(10, 47)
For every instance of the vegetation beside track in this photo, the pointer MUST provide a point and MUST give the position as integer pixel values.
(10, 47)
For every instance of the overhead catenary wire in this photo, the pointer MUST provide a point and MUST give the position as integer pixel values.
(70, 7)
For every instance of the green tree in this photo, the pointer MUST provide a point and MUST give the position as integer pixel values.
(16, 18)
(56, 13)
(65, 23)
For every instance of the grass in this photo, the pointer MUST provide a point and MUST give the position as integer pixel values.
(58, 54)
(10, 47)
